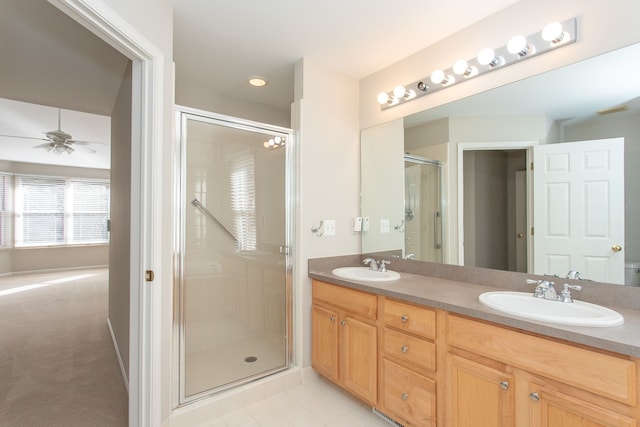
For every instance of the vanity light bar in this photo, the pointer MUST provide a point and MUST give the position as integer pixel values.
(519, 48)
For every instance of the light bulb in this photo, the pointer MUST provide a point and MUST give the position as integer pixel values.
(266, 144)
(271, 142)
(437, 76)
(486, 56)
(460, 67)
(553, 33)
(383, 98)
(463, 68)
(399, 91)
(517, 45)
(278, 140)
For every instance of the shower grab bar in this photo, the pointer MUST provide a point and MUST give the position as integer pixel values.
(199, 205)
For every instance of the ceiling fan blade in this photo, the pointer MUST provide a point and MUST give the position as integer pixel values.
(85, 149)
(24, 137)
(47, 145)
(80, 142)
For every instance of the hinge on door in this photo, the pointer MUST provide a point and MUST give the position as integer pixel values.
(532, 231)
(284, 250)
(149, 275)
(531, 165)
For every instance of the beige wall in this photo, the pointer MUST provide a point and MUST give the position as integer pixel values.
(119, 250)
(602, 26)
(326, 115)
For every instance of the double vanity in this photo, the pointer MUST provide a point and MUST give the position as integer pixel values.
(434, 345)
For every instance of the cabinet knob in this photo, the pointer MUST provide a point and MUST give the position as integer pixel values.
(332, 318)
(343, 322)
(404, 318)
(404, 396)
(504, 385)
(534, 396)
(404, 348)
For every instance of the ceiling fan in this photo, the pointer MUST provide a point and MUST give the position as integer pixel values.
(59, 141)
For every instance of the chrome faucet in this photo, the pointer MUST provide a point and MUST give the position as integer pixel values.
(372, 263)
(383, 266)
(544, 289)
(572, 274)
(565, 295)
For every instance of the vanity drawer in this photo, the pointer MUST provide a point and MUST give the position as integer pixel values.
(352, 301)
(409, 318)
(604, 374)
(408, 396)
(416, 351)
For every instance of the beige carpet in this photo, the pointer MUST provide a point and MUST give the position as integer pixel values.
(57, 362)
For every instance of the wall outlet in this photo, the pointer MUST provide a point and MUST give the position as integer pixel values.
(365, 223)
(329, 227)
(384, 225)
(357, 223)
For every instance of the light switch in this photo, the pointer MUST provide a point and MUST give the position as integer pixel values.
(365, 223)
(329, 227)
(384, 225)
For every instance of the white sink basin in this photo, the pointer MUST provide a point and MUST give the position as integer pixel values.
(577, 313)
(363, 273)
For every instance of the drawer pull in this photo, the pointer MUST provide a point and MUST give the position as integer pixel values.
(343, 322)
(404, 396)
(404, 318)
(534, 396)
(332, 318)
(404, 348)
(504, 385)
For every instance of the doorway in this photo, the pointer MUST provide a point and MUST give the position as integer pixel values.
(495, 209)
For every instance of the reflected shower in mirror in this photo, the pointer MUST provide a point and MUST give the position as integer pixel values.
(566, 105)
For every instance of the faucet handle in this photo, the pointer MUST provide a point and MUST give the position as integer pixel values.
(383, 265)
(565, 295)
(372, 263)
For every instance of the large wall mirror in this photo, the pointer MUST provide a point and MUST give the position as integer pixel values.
(484, 205)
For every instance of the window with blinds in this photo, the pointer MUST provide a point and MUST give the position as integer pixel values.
(243, 201)
(5, 210)
(58, 211)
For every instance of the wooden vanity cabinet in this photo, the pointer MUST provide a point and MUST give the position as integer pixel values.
(408, 363)
(502, 377)
(344, 338)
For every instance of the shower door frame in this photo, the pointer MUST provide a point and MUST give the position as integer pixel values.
(419, 160)
(182, 115)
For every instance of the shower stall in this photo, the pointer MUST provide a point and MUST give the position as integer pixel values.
(232, 270)
(423, 227)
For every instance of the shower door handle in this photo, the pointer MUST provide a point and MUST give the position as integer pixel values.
(436, 245)
(284, 250)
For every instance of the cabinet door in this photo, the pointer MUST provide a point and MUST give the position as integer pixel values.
(481, 396)
(324, 341)
(551, 408)
(358, 362)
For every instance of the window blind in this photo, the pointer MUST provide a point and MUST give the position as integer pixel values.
(5, 210)
(57, 211)
(243, 201)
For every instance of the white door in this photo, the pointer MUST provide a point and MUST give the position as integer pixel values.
(578, 198)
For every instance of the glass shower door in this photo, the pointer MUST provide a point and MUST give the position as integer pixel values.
(423, 209)
(233, 282)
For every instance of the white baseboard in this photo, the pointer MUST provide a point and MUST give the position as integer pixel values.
(54, 270)
(117, 350)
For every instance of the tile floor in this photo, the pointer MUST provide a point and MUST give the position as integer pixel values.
(317, 403)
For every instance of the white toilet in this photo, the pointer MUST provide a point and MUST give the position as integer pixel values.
(632, 273)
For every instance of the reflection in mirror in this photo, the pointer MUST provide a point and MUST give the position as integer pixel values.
(422, 223)
(566, 105)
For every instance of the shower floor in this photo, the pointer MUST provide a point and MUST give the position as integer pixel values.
(233, 353)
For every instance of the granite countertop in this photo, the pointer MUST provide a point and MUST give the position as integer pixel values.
(462, 298)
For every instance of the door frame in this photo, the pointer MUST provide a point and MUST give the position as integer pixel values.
(145, 316)
(488, 146)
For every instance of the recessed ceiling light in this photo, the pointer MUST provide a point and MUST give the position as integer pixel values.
(257, 81)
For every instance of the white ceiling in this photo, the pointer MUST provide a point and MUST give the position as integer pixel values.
(221, 43)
